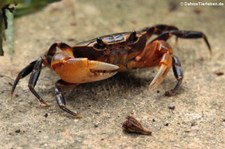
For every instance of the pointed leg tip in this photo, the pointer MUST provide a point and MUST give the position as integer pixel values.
(210, 51)
(152, 86)
(77, 116)
(169, 93)
(12, 95)
(44, 104)
(12, 91)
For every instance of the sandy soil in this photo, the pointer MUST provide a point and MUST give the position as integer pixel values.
(198, 120)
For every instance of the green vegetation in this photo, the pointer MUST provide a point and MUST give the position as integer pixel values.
(7, 14)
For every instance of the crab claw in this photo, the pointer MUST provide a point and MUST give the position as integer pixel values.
(96, 71)
(101, 70)
(82, 70)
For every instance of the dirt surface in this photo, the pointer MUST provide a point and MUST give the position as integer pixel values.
(195, 118)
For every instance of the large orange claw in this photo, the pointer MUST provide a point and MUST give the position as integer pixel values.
(82, 70)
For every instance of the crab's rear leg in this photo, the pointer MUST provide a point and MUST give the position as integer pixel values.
(185, 35)
(167, 60)
(165, 64)
(158, 29)
(159, 53)
(178, 73)
(164, 67)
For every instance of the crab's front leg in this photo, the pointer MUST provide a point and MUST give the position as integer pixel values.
(81, 70)
(35, 69)
(78, 70)
(60, 97)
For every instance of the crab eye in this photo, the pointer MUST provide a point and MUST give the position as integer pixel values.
(100, 44)
(133, 37)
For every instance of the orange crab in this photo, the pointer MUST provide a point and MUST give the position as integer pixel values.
(103, 57)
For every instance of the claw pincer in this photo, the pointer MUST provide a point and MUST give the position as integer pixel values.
(81, 70)
(103, 57)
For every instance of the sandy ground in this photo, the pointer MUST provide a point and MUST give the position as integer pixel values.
(198, 120)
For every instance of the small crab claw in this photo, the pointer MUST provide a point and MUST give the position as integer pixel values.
(83, 70)
(159, 77)
(165, 65)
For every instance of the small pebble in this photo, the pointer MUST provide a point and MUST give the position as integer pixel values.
(219, 73)
(193, 123)
(171, 106)
(17, 131)
(46, 115)
(167, 124)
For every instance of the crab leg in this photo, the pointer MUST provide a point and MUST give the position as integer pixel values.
(159, 29)
(62, 46)
(184, 34)
(60, 98)
(78, 70)
(35, 69)
(165, 65)
(81, 70)
(33, 80)
(178, 73)
(23, 73)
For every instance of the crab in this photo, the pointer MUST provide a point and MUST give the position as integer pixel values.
(103, 57)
